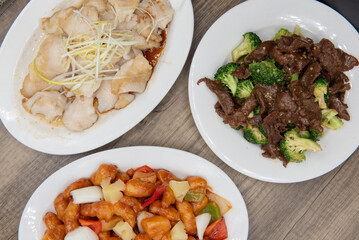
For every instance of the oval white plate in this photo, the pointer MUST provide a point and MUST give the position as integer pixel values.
(265, 18)
(43, 137)
(181, 163)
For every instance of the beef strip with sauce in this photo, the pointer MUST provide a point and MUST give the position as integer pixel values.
(295, 103)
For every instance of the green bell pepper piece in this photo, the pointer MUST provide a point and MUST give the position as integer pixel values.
(213, 209)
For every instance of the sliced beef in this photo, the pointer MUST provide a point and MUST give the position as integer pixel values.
(295, 102)
(266, 96)
(224, 98)
(339, 85)
(308, 109)
(347, 61)
(261, 52)
(335, 103)
(276, 123)
(285, 102)
(291, 62)
(311, 73)
(294, 43)
(332, 59)
(219, 110)
(240, 115)
(242, 72)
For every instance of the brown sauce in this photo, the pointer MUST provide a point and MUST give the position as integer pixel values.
(154, 54)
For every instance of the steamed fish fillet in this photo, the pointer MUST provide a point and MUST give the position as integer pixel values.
(124, 9)
(79, 114)
(70, 22)
(50, 104)
(124, 99)
(106, 100)
(49, 63)
(161, 10)
(88, 88)
(132, 76)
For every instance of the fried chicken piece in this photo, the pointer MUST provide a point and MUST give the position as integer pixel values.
(198, 206)
(165, 176)
(71, 216)
(101, 210)
(55, 228)
(132, 202)
(103, 172)
(156, 227)
(142, 236)
(81, 183)
(138, 188)
(171, 213)
(196, 182)
(187, 216)
(60, 205)
(168, 198)
(126, 212)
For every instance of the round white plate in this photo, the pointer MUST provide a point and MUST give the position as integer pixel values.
(265, 18)
(181, 163)
(37, 134)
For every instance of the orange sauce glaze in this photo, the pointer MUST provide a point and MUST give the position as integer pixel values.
(153, 55)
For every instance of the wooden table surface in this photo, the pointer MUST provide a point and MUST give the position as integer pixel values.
(324, 208)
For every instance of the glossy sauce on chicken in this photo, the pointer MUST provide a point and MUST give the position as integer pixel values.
(139, 204)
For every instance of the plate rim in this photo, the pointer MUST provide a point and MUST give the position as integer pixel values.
(81, 148)
(222, 156)
(118, 152)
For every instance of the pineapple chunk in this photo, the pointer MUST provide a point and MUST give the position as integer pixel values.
(178, 232)
(124, 231)
(112, 192)
(180, 189)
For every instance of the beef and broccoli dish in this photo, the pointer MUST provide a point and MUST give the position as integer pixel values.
(283, 92)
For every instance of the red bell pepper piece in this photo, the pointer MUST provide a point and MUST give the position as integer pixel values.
(144, 169)
(158, 192)
(96, 226)
(217, 230)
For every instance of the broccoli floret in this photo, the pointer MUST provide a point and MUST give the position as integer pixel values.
(257, 110)
(294, 77)
(238, 128)
(244, 89)
(314, 135)
(297, 30)
(330, 119)
(320, 90)
(304, 134)
(266, 72)
(254, 135)
(310, 134)
(250, 42)
(294, 147)
(282, 32)
(224, 75)
(263, 131)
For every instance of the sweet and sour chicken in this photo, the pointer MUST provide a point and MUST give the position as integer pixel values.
(138, 204)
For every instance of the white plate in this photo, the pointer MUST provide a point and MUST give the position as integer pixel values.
(265, 18)
(36, 134)
(181, 163)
